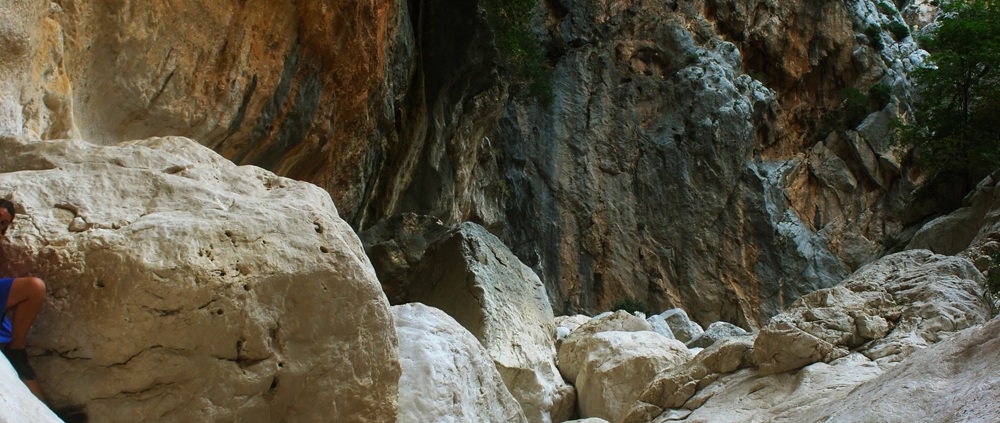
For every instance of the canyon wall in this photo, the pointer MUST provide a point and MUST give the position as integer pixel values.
(695, 154)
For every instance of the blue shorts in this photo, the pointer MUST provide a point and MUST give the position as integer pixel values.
(5, 285)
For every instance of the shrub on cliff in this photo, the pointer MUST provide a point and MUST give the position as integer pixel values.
(953, 127)
(520, 50)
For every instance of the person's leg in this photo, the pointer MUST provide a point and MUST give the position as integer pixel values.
(25, 299)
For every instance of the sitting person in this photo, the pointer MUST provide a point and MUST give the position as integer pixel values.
(23, 298)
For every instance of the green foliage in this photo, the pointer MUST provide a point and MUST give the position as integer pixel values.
(630, 305)
(874, 34)
(899, 31)
(520, 50)
(992, 291)
(692, 57)
(954, 121)
(886, 9)
(881, 94)
(641, 224)
(855, 107)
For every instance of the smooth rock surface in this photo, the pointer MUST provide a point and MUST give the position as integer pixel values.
(573, 349)
(953, 381)
(447, 375)
(619, 366)
(196, 290)
(17, 403)
(470, 275)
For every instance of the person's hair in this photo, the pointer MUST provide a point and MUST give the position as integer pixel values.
(10, 209)
(5, 203)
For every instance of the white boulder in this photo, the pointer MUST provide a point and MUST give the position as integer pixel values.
(448, 377)
(619, 366)
(573, 349)
(182, 287)
(471, 275)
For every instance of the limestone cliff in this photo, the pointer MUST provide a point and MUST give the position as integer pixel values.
(365, 99)
(696, 154)
(684, 160)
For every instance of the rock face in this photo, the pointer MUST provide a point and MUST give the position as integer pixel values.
(396, 246)
(953, 381)
(681, 161)
(386, 110)
(619, 366)
(920, 296)
(447, 375)
(470, 275)
(183, 288)
(674, 388)
(17, 403)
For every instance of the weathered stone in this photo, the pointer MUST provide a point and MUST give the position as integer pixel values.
(953, 381)
(715, 332)
(199, 291)
(924, 294)
(573, 349)
(469, 274)
(447, 375)
(619, 366)
(673, 388)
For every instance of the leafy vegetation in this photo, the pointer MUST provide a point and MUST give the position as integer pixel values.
(855, 107)
(880, 93)
(874, 34)
(631, 305)
(898, 30)
(992, 291)
(886, 9)
(953, 127)
(521, 54)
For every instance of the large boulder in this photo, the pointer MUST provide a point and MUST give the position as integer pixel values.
(470, 274)
(917, 295)
(17, 403)
(447, 375)
(674, 388)
(619, 366)
(182, 287)
(573, 349)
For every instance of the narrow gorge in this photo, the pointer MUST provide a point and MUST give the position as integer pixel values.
(380, 211)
